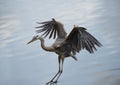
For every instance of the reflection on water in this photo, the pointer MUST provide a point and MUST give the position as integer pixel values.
(11, 23)
(22, 64)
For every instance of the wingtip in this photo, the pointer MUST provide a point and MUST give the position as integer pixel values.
(53, 20)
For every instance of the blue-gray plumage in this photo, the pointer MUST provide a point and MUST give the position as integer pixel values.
(65, 46)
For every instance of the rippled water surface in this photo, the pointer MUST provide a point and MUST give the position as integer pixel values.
(22, 64)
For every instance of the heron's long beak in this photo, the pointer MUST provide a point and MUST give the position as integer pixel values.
(31, 41)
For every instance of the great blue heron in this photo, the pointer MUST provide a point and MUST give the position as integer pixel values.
(65, 46)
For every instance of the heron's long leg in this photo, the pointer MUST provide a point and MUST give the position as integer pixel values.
(61, 67)
(59, 61)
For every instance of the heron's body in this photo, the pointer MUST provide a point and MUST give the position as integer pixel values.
(65, 46)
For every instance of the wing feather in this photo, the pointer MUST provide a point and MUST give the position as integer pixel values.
(79, 39)
(47, 31)
(52, 28)
(55, 33)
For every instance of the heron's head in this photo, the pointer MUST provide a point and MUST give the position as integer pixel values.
(33, 39)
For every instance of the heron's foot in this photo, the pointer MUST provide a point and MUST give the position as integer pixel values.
(52, 83)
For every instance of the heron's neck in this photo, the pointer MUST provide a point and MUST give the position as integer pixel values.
(51, 49)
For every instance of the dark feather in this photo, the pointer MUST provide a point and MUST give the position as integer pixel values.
(51, 28)
(46, 22)
(47, 31)
(79, 39)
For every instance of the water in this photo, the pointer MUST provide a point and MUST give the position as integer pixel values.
(22, 64)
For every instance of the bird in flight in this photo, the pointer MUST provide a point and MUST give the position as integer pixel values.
(65, 45)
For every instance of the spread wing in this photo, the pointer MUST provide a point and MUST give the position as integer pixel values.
(79, 39)
(52, 28)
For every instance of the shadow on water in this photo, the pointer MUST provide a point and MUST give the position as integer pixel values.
(22, 64)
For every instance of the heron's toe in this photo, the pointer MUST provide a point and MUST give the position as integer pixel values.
(52, 83)
(55, 82)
